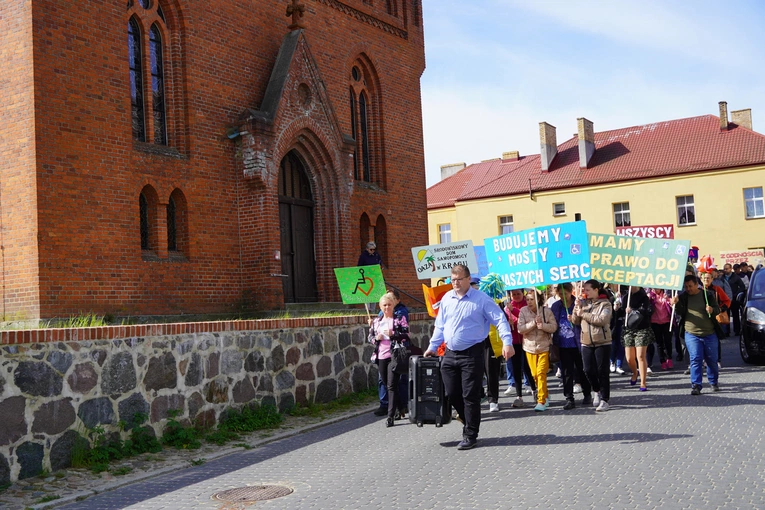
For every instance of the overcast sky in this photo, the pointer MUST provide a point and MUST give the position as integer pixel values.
(496, 68)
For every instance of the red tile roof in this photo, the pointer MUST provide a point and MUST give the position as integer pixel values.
(665, 148)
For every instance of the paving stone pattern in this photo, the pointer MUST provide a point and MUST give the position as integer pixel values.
(661, 449)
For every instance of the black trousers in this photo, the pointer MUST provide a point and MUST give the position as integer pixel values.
(491, 370)
(572, 370)
(596, 366)
(520, 367)
(390, 380)
(663, 341)
(735, 317)
(462, 373)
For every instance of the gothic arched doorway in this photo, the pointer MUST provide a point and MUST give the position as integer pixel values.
(296, 228)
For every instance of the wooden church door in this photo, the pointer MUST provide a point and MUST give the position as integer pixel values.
(296, 228)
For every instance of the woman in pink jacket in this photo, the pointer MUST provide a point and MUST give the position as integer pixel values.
(662, 311)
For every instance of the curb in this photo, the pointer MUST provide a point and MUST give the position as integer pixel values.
(80, 496)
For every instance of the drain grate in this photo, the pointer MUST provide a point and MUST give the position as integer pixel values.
(254, 493)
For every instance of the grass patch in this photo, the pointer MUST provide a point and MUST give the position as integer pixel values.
(50, 497)
(122, 471)
(341, 404)
(179, 436)
(198, 462)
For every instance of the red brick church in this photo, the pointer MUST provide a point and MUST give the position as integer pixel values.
(205, 156)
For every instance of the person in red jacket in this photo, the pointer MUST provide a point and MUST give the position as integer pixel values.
(518, 360)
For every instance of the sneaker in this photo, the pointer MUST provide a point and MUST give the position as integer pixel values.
(603, 406)
(664, 365)
(389, 422)
(381, 411)
(612, 368)
(696, 390)
(687, 371)
(539, 407)
(670, 365)
(527, 390)
(649, 372)
(587, 401)
(570, 404)
(466, 444)
(715, 388)
(619, 371)
(596, 400)
(493, 408)
(577, 388)
(509, 391)
(547, 403)
(518, 402)
(456, 417)
(558, 374)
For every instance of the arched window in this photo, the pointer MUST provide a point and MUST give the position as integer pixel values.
(172, 239)
(381, 239)
(366, 126)
(177, 225)
(136, 81)
(148, 39)
(353, 135)
(157, 85)
(143, 207)
(364, 137)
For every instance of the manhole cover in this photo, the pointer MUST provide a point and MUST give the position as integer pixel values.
(255, 493)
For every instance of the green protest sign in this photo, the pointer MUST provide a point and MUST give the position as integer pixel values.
(363, 284)
(656, 263)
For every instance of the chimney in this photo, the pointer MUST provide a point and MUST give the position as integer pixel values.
(548, 145)
(742, 118)
(586, 141)
(449, 170)
(514, 155)
(723, 116)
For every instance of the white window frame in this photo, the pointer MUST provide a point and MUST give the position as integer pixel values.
(506, 221)
(684, 208)
(621, 212)
(755, 200)
(561, 213)
(445, 233)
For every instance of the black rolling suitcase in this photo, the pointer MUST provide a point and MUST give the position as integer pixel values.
(427, 399)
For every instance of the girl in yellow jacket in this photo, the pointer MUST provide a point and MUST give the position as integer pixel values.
(537, 323)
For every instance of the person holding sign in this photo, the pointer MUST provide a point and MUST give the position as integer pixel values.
(537, 323)
(697, 309)
(593, 314)
(383, 332)
(463, 323)
(637, 334)
(567, 338)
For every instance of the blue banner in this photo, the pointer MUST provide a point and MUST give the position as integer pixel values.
(540, 256)
(480, 258)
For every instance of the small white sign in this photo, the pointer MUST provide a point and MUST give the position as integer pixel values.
(751, 257)
(436, 260)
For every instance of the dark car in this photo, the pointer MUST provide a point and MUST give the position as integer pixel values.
(752, 340)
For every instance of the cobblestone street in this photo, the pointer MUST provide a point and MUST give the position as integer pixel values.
(661, 449)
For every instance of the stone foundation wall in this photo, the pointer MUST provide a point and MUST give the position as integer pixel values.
(52, 391)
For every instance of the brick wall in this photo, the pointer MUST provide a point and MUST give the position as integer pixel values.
(218, 61)
(18, 183)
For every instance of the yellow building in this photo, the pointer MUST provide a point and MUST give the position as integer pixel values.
(703, 175)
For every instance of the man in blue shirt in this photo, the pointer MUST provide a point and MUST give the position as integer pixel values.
(463, 321)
